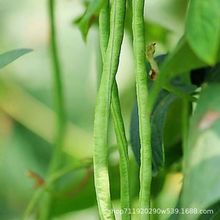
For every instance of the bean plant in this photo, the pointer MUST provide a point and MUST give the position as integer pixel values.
(170, 147)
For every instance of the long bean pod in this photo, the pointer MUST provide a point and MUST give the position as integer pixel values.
(117, 118)
(102, 110)
(142, 98)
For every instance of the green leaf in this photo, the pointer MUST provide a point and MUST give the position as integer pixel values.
(203, 28)
(158, 119)
(181, 60)
(85, 21)
(10, 56)
(202, 156)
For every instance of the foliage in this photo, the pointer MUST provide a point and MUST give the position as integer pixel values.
(170, 158)
(10, 56)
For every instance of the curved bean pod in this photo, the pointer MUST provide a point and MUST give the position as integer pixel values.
(102, 110)
(117, 118)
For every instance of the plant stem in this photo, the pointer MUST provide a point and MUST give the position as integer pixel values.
(59, 106)
(51, 180)
(102, 110)
(60, 173)
(34, 200)
(143, 108)
(104, 27)
(58, 93)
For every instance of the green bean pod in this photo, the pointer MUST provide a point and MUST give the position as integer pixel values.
(102, 111)
(143, 110)
(123, 152)
(117, 118)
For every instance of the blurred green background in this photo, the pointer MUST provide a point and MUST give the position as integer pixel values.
(26, 100)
